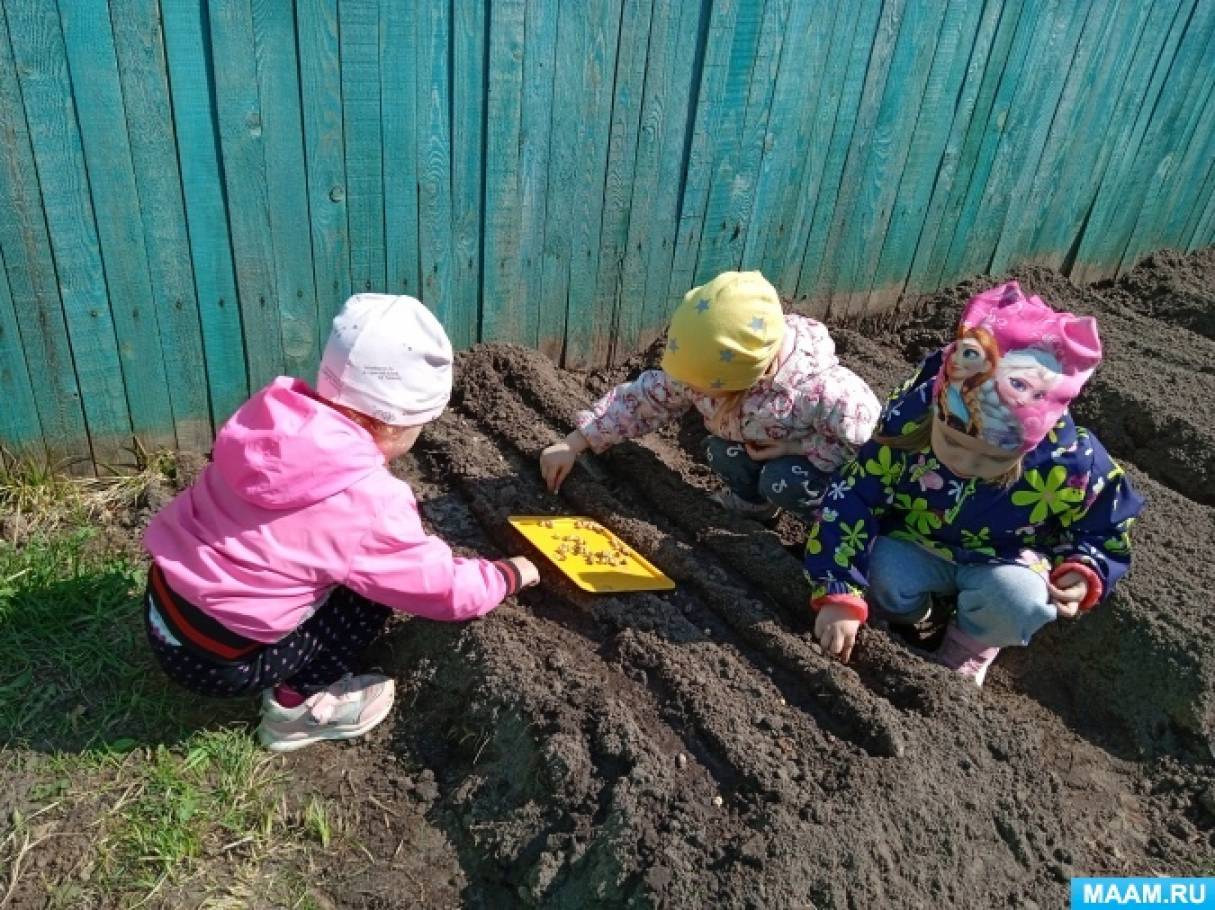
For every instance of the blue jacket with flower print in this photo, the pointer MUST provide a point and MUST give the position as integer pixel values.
(1073, 503)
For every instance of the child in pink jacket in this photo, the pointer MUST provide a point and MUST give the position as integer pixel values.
(782, 411)
(284, 560)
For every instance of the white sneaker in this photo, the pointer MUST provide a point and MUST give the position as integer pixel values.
(756, 511)
(349, 708)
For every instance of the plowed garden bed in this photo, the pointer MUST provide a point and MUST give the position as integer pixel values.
(694, 749)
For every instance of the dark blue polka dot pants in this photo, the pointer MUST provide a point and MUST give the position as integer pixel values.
(321, 651)
(791, 482)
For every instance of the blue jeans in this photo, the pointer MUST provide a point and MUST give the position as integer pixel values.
(998, 604)
(791, 482)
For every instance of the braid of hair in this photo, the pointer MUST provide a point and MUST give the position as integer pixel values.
(972, 396)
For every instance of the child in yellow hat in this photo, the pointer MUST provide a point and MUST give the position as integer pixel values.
(783, 413)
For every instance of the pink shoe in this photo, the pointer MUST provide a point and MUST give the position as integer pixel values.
(350, 707)
(963, 654)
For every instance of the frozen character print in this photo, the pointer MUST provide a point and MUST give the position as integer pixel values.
(971, 362)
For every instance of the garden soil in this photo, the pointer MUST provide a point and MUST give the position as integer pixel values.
(694, 748)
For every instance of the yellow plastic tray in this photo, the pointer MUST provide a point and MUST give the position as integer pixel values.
(551, 534)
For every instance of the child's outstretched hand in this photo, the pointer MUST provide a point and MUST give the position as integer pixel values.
(835, 628)
(766, 451)
(1068, 594)
(559, 459)
(529, 575)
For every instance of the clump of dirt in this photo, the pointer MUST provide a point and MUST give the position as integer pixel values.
(694, 748)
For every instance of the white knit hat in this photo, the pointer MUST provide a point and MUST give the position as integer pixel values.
(387, 357)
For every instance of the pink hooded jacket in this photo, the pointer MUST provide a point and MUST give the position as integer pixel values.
(298, 499)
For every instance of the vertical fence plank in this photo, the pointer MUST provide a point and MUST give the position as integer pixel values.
(786, 150)
(1193, 182)
(360, 56)
(1155, 157)
(188, 51)
(1204, 228)
(1100, 246)
(93, 68)
(1164, 154)
(434, 160)
(740, 142)
(30, 275)
(904, 92)
(535, 131)
(867, 149)
(504, 309)
(980, 155)
(286, 183)
(41, 62)
(732, 23)
(240, 129)
(815, 143)
(1010, 194)
(850, 89)
(20, 429)
(1079, 161)
(966, 30)
(670, 81)
(324, 156)
(141, 66)
(986, 65)
(398, 107)
(1039, 185)
(600, 27)
(613, 317)
(1024, 104)
(559, 195)
(467, 134)
(1203, 198)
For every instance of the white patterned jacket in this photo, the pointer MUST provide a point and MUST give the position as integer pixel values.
(810, 398)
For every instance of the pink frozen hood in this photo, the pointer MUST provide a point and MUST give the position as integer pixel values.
(1014, 367)
(285, 449)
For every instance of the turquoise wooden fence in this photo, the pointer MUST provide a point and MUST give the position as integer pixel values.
(189, 189)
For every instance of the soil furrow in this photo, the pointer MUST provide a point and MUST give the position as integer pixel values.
(554, 731)
(812, 683)
(584, 751)
(1174, 288)
(846, 707)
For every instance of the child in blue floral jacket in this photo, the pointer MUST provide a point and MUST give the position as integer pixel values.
(979, 486)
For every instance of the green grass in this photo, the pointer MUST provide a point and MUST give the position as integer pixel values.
(148, 794)
(70, 618)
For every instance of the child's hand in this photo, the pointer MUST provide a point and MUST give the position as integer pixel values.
(766, 451)
(559, 459)
(835, 628)
(529, 575)
(1068, 594)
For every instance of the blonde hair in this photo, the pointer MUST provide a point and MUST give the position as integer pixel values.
(378, 429)
(728, 407)
(730, 404)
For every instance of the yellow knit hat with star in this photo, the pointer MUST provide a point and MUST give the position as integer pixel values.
(725, 334)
